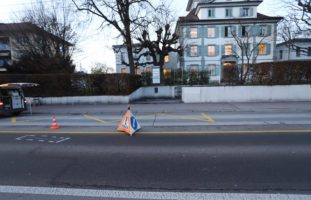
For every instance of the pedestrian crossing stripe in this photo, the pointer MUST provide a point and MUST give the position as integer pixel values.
(129, 124)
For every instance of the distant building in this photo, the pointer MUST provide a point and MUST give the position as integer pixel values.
(171, 61)
(206, 34)
(296, 49)
(13, 37)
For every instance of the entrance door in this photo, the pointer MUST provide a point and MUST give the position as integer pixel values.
(230, 72)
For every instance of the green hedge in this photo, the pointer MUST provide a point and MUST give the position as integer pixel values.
(55, 85)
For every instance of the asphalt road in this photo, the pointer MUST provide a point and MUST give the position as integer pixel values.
(257, 162)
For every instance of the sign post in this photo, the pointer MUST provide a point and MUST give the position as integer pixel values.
(156, 75)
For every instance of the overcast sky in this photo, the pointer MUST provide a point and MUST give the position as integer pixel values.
(96, 44)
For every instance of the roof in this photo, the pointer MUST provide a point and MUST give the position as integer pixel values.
(26, 27)
(296, 40)
(192, 17)
(225, 3)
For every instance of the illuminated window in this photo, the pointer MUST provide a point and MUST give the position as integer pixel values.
(167, 59)
(193, 32)
(194, 51)
(211, 50)
(211, 32)
(123, 71)
(228, 49)
(167, 73)
(262, 49)
(138, 71)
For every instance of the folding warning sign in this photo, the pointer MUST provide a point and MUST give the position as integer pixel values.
(129, 124)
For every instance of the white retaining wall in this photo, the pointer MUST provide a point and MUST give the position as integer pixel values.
(149, 92)
(246, 93)
(143, 92)
(81, 99)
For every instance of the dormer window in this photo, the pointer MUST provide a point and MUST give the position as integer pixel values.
(211, 13)
(245, 12)
(228, 12)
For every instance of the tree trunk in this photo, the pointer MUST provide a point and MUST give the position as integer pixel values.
(129, 48)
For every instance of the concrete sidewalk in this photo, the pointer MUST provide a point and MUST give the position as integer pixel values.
(173, 108)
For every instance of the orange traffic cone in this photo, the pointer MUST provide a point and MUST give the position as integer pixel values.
(54, 124)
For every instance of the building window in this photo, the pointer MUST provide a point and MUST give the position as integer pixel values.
(244, 31)
(263, 30)
(211, 32)
(123, 71)
(167, 73)
(148, 70)
(194, 69)
(210, 13)
(137, 71)
(212, 69)
(228, 12)
(281, 54)
(309, 51)
(245, 12)
(298, 52)
(193, 51)
(167, 58)
(228, 31)
(193, 32)
(228, 49)
(262, 49)
(211, 50)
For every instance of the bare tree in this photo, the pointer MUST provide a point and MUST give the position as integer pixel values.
(297, 24)
(126, 16)
(46, 39)
(248, 39)
(158, 49)
(101, 68)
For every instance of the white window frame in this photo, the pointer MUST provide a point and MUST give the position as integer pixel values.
(193, 32)
(228, 51)
(263, 30)
(229, 12)
(211, 69)
(194, 51)
(245, 12)
(212, 49)
(211, 32)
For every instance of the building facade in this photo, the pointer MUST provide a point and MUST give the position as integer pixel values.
(171, 61)
(17, 38)
(296, 49)
(222, 34)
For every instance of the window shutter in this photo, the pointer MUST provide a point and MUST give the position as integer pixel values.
(199, 48)
(233, 30)
(188, 49)
(240, 31)
(203, 50)
(251, 10)
(241, 12)
(223, 49)
(234, 49)
(216, 50)
(269, 27)
(217, 69)
(217, 32)
(213, 12)
(205, 32)
(255, 30)
(268, 49)
(222, 31)
(187, 32)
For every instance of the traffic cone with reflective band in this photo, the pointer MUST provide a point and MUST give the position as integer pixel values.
(54, 124)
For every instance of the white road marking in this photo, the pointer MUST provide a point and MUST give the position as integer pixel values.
(145, 195)
(20, 138)
(63, 140)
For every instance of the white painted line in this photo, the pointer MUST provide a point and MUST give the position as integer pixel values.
(145, 195)
(20, 138)
(63, 140)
